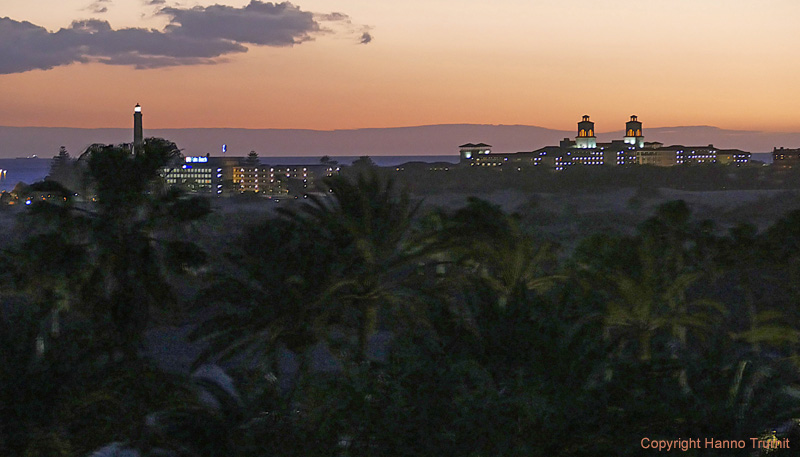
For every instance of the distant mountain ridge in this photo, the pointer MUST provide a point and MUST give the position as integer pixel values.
(421, 140)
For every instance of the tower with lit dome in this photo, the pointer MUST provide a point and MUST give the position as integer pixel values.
(633, 132)
(586, 138)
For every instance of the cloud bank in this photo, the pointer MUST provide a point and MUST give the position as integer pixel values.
(194, 36)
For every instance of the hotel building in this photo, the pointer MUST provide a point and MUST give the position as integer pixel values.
(785, 159)
(585, 150)
(236, 175)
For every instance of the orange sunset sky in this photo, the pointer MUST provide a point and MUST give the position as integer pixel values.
(728, 63)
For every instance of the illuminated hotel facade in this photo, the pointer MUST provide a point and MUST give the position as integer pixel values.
(236, 175)
(585, 150)
(202, 174)
(233, 175)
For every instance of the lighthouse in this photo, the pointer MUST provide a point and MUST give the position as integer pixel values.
(138, 136)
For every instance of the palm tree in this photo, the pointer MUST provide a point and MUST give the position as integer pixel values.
(649, 304)
(515, 264)
(491, 248)
(372, 223)
(119, 277)
(339, 261)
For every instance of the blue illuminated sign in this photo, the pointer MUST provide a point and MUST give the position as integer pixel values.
(196, 159)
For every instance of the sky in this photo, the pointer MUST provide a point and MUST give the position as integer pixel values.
(346, 64)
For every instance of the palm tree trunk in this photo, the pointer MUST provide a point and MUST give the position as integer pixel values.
(369, 325)
(645, 351)
(751, 310)
(680, 334)
(609, 372)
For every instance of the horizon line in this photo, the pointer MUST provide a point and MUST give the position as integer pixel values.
(396, 127)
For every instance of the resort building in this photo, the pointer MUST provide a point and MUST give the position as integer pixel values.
(656, 154)
(236, 175)
(785, 158)
(469, 151)
(585, 150)
(732, 156)
(202, 174)
(297, 179)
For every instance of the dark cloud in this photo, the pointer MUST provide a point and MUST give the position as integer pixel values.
(155, 2)
(341, 23)
(98, 6)
(271, 24)
(25, 46)
(194, 36)
(333, 17)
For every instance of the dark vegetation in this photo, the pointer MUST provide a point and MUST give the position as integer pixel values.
(421, 180)
(360, 324)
